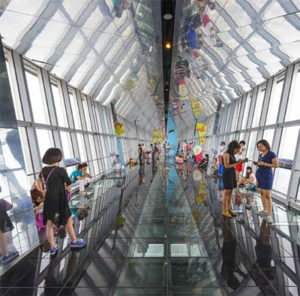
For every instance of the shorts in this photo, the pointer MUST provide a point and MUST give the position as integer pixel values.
(220, 159)
(239, 167)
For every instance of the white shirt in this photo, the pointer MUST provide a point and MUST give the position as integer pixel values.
(221, 150)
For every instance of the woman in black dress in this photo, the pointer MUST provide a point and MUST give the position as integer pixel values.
(229, 176)
(56, 208)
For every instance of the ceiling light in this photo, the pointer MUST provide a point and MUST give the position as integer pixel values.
(168, 45)
(168, 16)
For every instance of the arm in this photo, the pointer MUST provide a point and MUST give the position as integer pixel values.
(226, 161)
(40, 206)
(274, 163)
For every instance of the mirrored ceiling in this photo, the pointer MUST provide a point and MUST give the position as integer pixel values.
(224, 48)
(109, 49)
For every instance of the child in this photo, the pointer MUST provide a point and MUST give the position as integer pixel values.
(240, 155)
(38, 205)
(56, 208)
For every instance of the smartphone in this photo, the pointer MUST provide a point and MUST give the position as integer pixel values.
(255, 162)
(246, 159)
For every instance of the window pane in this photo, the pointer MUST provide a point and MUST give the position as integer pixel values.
(25, 149)
(105, 128)
(81, 146)
(14, 91)
(96, 167)
(246, 111)
(274, 102)
(242, 136)
(236, 115)
(98, 120)
(281, 174)
(288, 142)
(59, 106)
(87, 115)
(75, 110)
(293, 107)
(269, 135)
(66, 145)
(251, 145)
(258, 107)
(37, 99)
(45, 140)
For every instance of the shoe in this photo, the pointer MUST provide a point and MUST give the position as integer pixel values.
(9, 257)
(54, 250)
(262, 213)
(226, 214)
(233, 214)
(269, 220)
(80, 243)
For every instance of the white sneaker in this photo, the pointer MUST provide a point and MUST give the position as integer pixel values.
(269, 220)
(262, 213)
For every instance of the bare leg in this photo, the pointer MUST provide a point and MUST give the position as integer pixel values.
(268, 200)
(263, 199)
(237, 176)
(50, 233)
(229, 198)
(3, 243)
(224, 200)
(70, 229)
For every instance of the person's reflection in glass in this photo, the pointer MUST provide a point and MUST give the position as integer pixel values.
(141, 172)
(5, 226)
(228, 255)
(263, 250)
(14, 145)
(54, 284)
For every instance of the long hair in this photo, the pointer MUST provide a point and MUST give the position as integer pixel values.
(248, 174)
(233, 145)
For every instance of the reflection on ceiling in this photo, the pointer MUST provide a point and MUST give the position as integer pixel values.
(224, 48)
(106, 48)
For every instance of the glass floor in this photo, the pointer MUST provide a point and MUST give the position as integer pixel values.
(159, 231)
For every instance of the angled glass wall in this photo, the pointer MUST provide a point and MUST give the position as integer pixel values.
(270, 111)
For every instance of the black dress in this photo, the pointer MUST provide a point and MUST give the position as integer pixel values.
(55, 199)
(229, 178)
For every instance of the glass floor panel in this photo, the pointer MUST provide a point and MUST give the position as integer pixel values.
(167, 236)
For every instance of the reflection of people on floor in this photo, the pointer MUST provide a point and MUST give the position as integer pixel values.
(133, 162)
(228, 255)
(116, 164)
(142, 177)
(178, 158)
(54, 284)
(120, 6)
(204, 163)
(6, 225)
(264, 254)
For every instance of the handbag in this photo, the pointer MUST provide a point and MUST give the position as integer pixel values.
(7, 206)
(68, 195)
